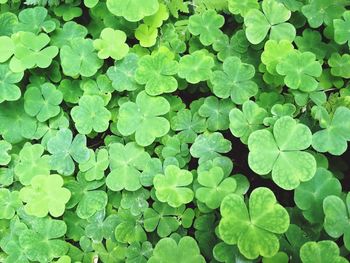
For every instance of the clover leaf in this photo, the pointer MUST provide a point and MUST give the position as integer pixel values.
(42, 102)
(111, 44)
(274, 53)
(333, 138)
(341, 26)
(126, 163)
(323, 251)
(168, 250)
(69, 31)
(15, 123)
(340, 65)
(196, 67)
(282, 153)
(147, 35)
(10, 202)
(7, 48)
(79, 58)
(31, 163)
(5, 158)
(133, 10)
(167, 219)
(95, 167)
(242, 7)
(122, 74)
(216, 111)
(31, 51)
(209, 145)
(129, 229)
(234, 81)
(249, 119)
(44, 195)
(85, 196)
(300, 71)
(9, 91)
(273, 19)
(337, 214)
(34, 20)
(309, 195)
(90, 115)
(318, 12)
(206, 25)
(214, 187)
(156, 72)
(99, 227)
(188, 125)
(136, 201)
(41, 243)
(171, 187)
(143, 118)
(253, 230)
(65, 149)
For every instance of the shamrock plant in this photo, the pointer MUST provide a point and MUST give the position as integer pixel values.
(273, 19)
(253, 230)
(143, 118)
(174, 131)
(282, 153)
(171, 187)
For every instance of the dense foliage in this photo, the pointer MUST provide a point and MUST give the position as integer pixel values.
(174, 131)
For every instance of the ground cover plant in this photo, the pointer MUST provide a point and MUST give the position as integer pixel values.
(174, 131)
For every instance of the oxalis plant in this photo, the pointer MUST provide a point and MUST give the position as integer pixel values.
(174, 131)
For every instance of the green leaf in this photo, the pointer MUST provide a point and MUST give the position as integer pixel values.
(35, 20)
(334, 137)
(122, 74)
(340, 65)
(133, 10)
(214, 187)
(95, 167)
(10, 202)
(91, 115)
(209, 145)
(196, 67)
(323, 251)
(7, 48)
(32, 163)
(31, 51)
(85, 195)
(320, 12)
(15, 124)
(242, 7)
(111, 44)
(9, 91)
(171, 187)
(297, 76)
(282, 153)
(254, 230)
(147, 35)
(217, 113)
(309, 195)
(273, 19)
(234, 81)
(42, 243)
(341, 27)
(44, 195)
(143, 118)
(65, 149)
(206, 25)
(79, 58)
(126, 165)
(337, 214)
(5, 158)
(168, 250)
(249, 119)
(156, 72)
(42, 102)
